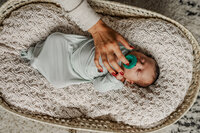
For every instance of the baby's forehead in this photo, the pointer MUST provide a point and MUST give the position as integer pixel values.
(151, 62)
(150, 69)
(141, 52)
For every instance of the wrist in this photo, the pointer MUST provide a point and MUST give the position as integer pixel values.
(97, 26)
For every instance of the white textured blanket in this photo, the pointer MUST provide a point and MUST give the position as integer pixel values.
(25, 88)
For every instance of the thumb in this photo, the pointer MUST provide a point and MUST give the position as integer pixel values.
(125, 43)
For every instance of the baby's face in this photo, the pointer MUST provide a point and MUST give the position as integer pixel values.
(141, 74)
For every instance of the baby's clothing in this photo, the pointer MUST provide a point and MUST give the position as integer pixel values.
(66, 59)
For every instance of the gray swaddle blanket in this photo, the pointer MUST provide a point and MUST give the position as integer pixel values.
(66, 59)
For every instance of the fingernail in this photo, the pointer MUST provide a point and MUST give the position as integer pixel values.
(121, 73)
(114, 74)
(100, 70)
(127, 64)
(131, 46)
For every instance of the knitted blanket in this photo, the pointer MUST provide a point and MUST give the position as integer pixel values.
(26, 89)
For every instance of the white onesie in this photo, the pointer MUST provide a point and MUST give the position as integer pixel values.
(66, 59)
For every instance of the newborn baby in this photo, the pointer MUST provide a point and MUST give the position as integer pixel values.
(144, 73)
(66, 59)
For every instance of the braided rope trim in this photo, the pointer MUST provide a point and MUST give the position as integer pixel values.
(88, 124)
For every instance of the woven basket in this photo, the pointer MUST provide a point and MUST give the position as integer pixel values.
(88, 124)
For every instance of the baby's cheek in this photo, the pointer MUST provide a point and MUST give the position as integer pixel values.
(128, 73)
(125, 73)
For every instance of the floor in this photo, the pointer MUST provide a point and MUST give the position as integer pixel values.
(186, 12)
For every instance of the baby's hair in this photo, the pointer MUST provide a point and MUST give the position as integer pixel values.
(156, 73)
(156, 70)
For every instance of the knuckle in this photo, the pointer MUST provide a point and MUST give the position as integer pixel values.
(103, 50)
(95, 60)
(103, 47)
(104, 61)
(106, 64)
(120, 57)
(119, 36)
(112, 61)
(110, 44)
(116, 48)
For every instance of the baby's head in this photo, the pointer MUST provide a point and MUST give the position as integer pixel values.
(144, 73)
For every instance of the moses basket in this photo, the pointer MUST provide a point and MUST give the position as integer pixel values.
(88, 124)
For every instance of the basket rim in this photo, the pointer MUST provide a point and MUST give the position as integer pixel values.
(193, 90)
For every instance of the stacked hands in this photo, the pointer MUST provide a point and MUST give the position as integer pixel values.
(106, 45)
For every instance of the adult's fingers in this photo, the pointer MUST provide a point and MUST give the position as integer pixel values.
(112, 60)
(107, 65)
(120, 55)
(124, 42)
(96, 59)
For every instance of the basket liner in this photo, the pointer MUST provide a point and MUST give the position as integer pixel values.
(28, 90)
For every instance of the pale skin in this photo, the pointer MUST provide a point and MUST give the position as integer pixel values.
(143, 71)
(106, 45)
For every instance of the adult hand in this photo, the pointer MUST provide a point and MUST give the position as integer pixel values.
(106, 45)
(120, 77)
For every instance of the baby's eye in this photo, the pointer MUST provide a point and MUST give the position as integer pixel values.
(142, 60)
